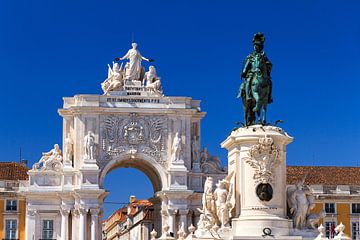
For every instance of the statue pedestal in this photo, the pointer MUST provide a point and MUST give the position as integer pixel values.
(257, 156)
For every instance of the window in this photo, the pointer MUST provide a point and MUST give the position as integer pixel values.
(11, 205)
(330, 207)
(330, 229)
(10, 229)
(355, 208)
(47, 229)
(355, 230)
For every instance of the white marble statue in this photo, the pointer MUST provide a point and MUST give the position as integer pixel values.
(114, 80)
(51, 160)
(195, 149)
(153, 82)
(69, 149)
(208, 212)
(134, 70)
(313, 219)
(222, 196)
(89, 145)
(176, 148)
(301, 202)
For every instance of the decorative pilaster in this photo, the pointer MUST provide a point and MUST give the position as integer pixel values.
(172, 213)
(30, 224)
(82, 223)
(94, 223)
(64, 223)
(184, 217)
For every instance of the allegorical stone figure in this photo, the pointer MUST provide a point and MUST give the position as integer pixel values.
(89, 145)
(152, 80)
(256, 90)
(114, 80)
(300, 201)
(69, 148)
(50, 160)
(222, 195)
(208, 211)
(134, 69)
(176, 148)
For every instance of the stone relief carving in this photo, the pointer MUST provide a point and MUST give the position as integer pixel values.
(51, 160)
(210, 164)
(133, 134)
(263, 157)
(89, 145)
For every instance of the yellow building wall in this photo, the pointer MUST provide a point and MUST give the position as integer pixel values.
(2, 219)
(343, 215)
(22, 214)
(318, 207)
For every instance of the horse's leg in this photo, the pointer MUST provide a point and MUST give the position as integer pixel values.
(257, 99)
(264, 113)
(245, 116)
(259, 117)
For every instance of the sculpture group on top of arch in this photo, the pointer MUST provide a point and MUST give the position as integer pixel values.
(132, 74)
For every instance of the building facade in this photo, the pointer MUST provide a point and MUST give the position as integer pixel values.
(12, 204)
(337, 192)
(134, 221)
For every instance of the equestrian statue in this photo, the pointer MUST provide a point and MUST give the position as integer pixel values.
(256, 88)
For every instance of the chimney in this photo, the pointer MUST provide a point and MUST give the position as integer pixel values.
(132, 198)
(24, 162)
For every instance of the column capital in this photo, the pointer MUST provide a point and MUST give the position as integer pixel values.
(95, 211)
(32, 212)
(172, 211)
(83, 211)
(183, 211)
(65, 212)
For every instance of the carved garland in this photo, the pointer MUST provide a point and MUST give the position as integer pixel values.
(263, 157)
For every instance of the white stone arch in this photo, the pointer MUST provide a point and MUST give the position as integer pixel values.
(142, 162)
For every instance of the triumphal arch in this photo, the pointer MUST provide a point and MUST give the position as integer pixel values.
(132, 124)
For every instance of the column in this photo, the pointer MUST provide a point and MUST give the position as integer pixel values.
(82, 223)
(30, 224)
(101, 216)
(183, 218)
(172, 213)
(94, 223)
(64, 223)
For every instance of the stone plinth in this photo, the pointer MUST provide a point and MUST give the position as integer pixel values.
(257, 156)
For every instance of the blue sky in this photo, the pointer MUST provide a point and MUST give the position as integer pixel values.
(51, 49)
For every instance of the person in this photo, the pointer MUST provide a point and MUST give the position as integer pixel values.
(257, 65)
(89, 145)
(135, 58)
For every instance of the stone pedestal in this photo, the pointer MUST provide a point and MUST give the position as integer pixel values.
(257, 156)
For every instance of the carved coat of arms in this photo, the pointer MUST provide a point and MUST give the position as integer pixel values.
(133, 134)
(263, 157)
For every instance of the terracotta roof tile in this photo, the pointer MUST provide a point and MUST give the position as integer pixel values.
(13, 171)
(324, 175)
